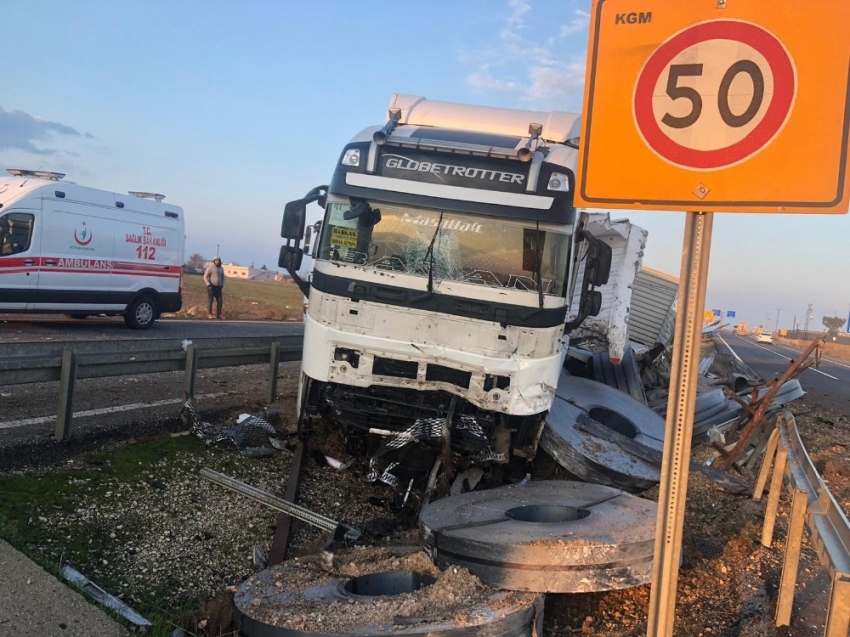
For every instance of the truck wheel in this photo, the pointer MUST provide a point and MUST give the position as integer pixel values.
(141, 313)
(78, 315)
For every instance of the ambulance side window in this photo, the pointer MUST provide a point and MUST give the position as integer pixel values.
(15, 232)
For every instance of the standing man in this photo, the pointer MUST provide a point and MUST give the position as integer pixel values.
(214, 278)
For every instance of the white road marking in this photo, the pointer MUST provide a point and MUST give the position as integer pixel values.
(734, 353)
(822, 358)
(773, 351)
(105, 410)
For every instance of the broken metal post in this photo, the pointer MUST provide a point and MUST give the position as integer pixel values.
(280, 542)
(793, 545)
(680, 423)
(273, 372)
(838, 617)
(67, 380)
(757, 408)
(763, 438)
(765, 465)
(773, 497)
(189, 374)
(446, 445)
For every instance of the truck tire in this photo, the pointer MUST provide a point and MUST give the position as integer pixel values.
(141, 313)
(548, 536)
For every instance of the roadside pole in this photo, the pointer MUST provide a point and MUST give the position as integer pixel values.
(680, 420)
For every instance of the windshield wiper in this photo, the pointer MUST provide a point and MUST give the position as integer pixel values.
(430, 253)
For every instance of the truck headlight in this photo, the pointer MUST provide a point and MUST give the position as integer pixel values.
(351, 157)
(559, 182)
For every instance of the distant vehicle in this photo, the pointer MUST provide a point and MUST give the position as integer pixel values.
(741, 329)
(764, 337)
(81, 251)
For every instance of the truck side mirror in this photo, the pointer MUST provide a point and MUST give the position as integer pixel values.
(595, 303)
(290, 258)
(294, 220)
(599, 260)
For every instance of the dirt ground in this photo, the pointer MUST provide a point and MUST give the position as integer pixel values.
(727, 583)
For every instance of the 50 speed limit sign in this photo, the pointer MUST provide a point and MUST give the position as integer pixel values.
(716, 105)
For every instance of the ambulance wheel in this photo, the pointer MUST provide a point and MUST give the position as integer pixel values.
(141, 313)
(78, 315)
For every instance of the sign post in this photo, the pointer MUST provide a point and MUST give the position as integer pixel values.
(710, 106)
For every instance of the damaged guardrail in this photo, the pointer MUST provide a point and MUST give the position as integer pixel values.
(813, 506)
(24, 363)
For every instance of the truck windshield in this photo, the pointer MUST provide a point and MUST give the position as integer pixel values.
(468, 248)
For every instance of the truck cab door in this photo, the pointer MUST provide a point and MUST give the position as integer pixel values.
(19, 259)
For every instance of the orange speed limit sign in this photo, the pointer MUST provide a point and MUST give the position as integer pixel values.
(716, 105)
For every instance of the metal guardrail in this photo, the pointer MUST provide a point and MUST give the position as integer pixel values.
(23, 363)
(813, 506)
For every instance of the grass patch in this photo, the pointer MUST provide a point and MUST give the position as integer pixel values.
(138, 521)
(245, 300)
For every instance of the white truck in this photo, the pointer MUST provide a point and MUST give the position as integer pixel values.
(80, 251)
(438, 303)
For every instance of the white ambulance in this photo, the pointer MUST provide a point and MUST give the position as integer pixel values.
(81, 251)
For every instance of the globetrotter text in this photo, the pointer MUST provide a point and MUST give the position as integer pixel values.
(400, 162)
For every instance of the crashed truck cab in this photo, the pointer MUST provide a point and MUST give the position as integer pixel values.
(441, 274)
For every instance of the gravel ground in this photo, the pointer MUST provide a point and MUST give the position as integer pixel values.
(188, 539)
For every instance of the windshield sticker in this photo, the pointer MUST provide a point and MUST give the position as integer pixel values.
(448, 224)
(344, 237)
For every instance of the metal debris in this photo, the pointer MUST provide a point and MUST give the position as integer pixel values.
(546, 536)
(110, 601)
(338, 530)
(254, 436)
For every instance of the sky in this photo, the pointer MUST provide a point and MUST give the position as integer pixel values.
(231, 109)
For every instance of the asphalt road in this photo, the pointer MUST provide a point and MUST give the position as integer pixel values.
(28, 412)
(829, 384)
(19, 328)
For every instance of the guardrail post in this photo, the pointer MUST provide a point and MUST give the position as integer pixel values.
(189, 374)
(838, 615)
(765, 465)
(67, 380)
(273, 371)
(793, 545)
(773, 497)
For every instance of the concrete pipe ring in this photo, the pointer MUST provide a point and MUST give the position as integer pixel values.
(594, 459)
(387, 591)
(548, 536)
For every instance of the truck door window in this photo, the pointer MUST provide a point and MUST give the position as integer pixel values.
(15, 232)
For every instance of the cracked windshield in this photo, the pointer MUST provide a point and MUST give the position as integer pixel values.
(463, 247)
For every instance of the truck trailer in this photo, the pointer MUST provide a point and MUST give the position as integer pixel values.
(442, 278)
(81, 251)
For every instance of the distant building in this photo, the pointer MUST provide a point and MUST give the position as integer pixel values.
(234, 271)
